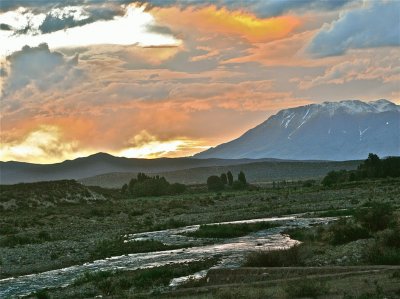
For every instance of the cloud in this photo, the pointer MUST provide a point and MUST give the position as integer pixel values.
(41, 145)
(264, 9)
(214, 20)
(375, 25)
(380, 66)
(129, 29)
(40, 67)
(146, 145)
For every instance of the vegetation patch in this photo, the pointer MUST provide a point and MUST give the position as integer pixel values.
(372, 168)
(26, 238)
(306, 288)
(117, 283)
(386, 249)
(231, 230)
(378, 217)
(145, 185)
(275, 258)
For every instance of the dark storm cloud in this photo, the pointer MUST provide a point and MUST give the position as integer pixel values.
(5, 27)
(65, 20)
(263, 8)
(37, 65)
(374, 26)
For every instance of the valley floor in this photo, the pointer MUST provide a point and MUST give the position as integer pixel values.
(42, 239)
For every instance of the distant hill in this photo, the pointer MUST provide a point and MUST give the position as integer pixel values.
(17, 172)
(346, 130)
(255, 172)
(45, 194)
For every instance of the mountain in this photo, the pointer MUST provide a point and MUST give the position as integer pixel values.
(16, 172)
(346, 130)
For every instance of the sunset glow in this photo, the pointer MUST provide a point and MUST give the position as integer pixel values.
(166, 79)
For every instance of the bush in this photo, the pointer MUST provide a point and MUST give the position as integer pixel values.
(145, 185)
(176, 188)
(386, 249)
(390, 237)
(345, 231)
(214, 183)
(378, 217)
(275, 258)
(42, 294)
(7, 229)
(335, 177)
(381, 255)
(238, 185)
(306, 288)
(373, 167)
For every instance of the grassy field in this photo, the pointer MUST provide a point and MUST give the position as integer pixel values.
(39, 239)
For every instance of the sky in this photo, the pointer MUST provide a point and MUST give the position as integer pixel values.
(170, 78)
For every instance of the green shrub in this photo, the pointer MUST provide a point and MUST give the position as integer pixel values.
(389, 237)
(145, 185)
(176, 188)
(7, 229)
(42, 294)
(378, 217)
(17, 240)
(381, 255)
(214, 183)
(345, 231)
(275, 258)
(238, 185)
(386, 249)
(92, 277)
(306, 288)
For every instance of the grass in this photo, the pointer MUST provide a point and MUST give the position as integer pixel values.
(127, 215)
(231, 230)
(341, 232)
(275, 258)
(26, 238)
(118, 283)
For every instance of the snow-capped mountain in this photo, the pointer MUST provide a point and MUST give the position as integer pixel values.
(344, 130)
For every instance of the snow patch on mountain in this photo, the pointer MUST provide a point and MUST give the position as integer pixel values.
(342, 130)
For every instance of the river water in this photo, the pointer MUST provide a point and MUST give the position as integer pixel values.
(231, 253)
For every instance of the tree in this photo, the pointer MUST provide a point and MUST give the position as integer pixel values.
(242, 178)
(230, 178)
(131, 185)
(224, 178)
(141, 177)
(176, 188)
(124, 189)
(214, 183)
(371, 168)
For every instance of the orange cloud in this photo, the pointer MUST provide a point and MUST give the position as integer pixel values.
(214, 20)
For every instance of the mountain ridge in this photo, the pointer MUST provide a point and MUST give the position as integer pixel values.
(12, 172)
(345, 130)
